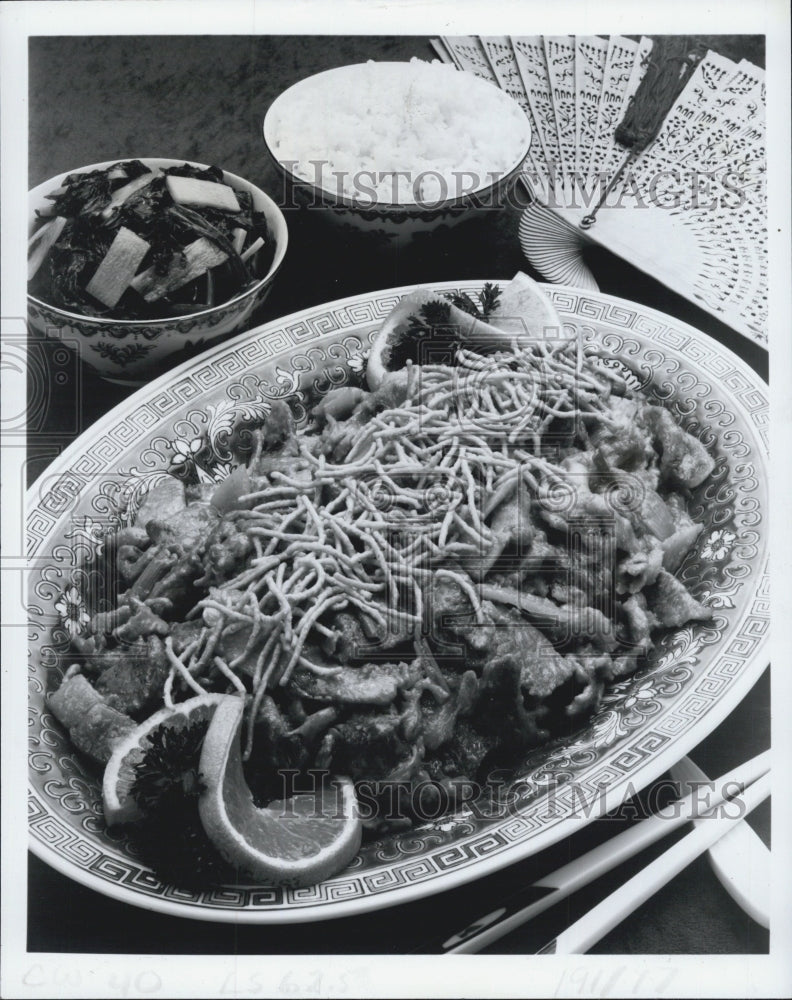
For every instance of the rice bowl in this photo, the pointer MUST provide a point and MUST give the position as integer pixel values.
(411, 134)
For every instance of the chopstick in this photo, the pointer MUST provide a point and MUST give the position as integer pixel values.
(595, 924)
(741, 861)
(552, 888)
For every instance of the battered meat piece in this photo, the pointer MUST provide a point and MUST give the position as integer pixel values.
(462, 756)
(505, 632)
(501, 710)
(278, 433)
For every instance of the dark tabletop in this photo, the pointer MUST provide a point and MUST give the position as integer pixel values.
(204, 99)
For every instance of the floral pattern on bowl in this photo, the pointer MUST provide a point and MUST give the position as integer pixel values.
(394, 225)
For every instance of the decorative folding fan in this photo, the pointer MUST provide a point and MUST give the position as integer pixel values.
(689, 208)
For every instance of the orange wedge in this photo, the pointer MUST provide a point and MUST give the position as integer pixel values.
(119, 775)
(297, 842)
(524, 311)
(391, 332)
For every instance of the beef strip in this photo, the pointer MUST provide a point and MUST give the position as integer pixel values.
(684, 461)
(227, 552)
(501, 711)
(163, 501)
(142, 623)
(133, 683)
(358, 639)
(365, 745)
(520, 667)
(372, 684)
(188, 528)
(440, 720)
(463, 756)
(626, 442)
(94, 726)
(672, 603)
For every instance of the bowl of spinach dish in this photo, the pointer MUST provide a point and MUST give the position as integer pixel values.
(137, 263)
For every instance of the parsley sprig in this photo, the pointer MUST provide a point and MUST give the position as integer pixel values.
(431, 336)
(167, 784)
(488, 299)
(169, 766)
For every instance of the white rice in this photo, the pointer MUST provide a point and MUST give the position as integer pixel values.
(397, 133)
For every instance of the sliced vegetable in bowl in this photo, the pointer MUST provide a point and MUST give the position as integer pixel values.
(132, 240)
(175, 322)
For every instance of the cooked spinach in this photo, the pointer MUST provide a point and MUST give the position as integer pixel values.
(90, 204)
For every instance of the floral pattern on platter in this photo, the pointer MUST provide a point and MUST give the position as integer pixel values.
(644, 722)
(72, 611)
(718, 545)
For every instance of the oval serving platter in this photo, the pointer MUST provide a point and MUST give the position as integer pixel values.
(180, 424)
